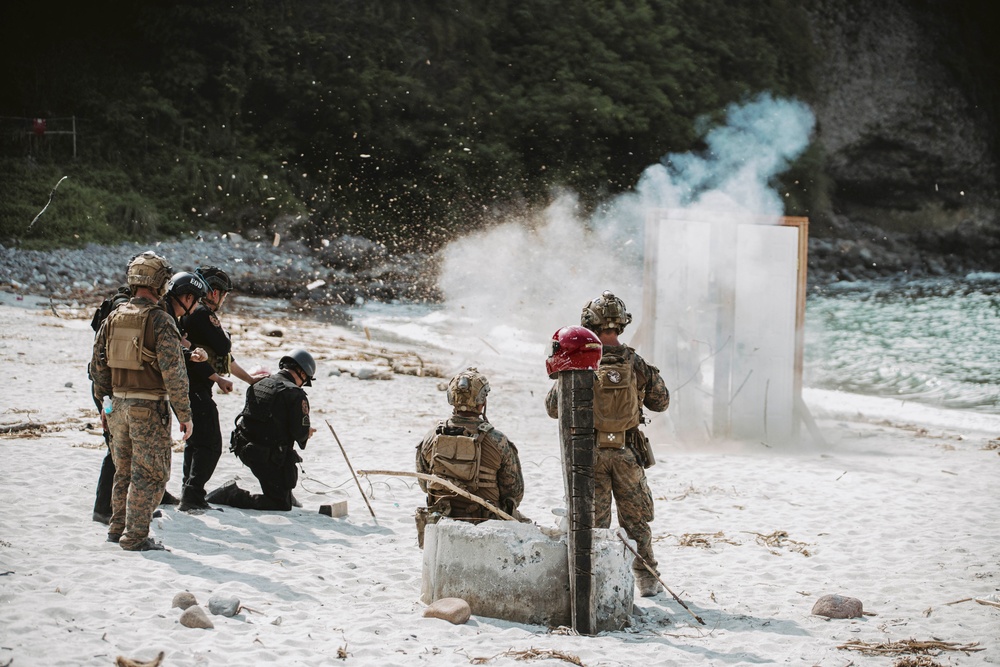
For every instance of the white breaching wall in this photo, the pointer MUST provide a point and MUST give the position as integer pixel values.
(722, 313)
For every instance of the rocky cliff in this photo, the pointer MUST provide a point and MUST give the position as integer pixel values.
(908, 144)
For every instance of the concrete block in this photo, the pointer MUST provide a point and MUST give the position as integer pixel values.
(515, 572)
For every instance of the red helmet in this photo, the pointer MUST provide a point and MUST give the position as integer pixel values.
(574, 348)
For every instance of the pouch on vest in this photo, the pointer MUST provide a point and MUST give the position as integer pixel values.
(126, 338)
(455, 457)
(616, 401)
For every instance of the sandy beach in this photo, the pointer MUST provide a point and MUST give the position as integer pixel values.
(897, 508)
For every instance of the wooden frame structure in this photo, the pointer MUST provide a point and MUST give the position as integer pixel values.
(722, 243)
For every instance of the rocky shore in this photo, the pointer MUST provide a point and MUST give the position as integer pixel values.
(344, 272)
(350, 270)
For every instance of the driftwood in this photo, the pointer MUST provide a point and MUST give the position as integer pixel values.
(653, 572)
(23, 426)
(928, 647)
(445, 483)
(351, 468)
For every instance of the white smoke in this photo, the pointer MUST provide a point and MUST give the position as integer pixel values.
(536, 274)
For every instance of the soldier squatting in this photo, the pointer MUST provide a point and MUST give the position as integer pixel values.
(160, 348)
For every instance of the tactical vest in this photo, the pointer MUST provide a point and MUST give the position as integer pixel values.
(468, 460)
(128, 329)
(257, 422)
(617, 399)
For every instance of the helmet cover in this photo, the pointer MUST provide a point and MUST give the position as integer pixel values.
(605, 312)
(468, 390)
(148, 269)
(574, 348)
(216, 278)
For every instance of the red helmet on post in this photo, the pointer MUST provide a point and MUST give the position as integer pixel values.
(574, 348)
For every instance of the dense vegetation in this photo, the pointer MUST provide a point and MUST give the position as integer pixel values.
(400, 121)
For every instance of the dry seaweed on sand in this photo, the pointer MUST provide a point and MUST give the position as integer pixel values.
(532, 654)
(917, 661)
(779, 539)
(930, 647)
(703, 540)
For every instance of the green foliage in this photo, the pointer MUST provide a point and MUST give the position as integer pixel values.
(405, 122)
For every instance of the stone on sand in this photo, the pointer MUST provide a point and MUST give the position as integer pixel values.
(837, 606)
(453, 610)
(195, 617)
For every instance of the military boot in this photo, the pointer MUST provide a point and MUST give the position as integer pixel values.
(193, 500)
(647, 584)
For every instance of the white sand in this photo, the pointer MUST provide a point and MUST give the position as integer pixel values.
(899, 509)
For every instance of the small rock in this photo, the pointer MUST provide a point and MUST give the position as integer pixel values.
(224, 605)
(195, 617)
(453, 610)
(838, 606)
(184, 599)
(366, 373)
(69, 385)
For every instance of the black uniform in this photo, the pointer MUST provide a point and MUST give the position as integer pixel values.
(204, 448)
(274, 418)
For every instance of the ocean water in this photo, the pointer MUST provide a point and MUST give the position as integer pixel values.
(935, 342)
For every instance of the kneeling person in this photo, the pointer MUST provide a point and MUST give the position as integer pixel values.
(469, 452)
(274, 418)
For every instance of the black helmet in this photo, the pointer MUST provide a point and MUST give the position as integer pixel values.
(302, 360)
(216, 278)
(185, 282)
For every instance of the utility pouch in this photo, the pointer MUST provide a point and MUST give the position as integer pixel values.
(642, 449)
(610, 440)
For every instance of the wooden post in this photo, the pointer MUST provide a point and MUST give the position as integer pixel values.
(576, 433)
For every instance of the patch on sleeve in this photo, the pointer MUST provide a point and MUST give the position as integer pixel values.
(214, 320)
(305, 406)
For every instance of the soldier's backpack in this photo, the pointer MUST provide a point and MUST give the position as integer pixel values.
(616, 399)
(101, 313)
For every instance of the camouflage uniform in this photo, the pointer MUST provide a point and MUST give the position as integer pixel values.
(140, 427)
(509, 488)
(618, 472)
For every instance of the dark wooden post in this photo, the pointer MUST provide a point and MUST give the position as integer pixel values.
(576, 433)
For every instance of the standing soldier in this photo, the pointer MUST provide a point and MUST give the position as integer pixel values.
(625, 384)
(467, 451)
(138, 360)
(274, 418)
(203, 329)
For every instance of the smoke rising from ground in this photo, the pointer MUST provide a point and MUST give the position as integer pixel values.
(536, 274)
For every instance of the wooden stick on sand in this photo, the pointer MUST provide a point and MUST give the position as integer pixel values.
(653, 572)
(445, 483)
(351, 468)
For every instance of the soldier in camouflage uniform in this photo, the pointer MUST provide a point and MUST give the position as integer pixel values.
(620, 462)
(138, 360)
(469, 452)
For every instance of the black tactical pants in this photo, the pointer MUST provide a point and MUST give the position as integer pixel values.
(102, 503)
(204, 448)
(276, 494)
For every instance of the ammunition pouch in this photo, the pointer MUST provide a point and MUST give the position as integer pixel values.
(639, 444)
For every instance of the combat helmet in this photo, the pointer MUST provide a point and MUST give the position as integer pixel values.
(216, 278)
(148, 269)
(302, 360)
(605, 312)
(185, 282)
(468, 390)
